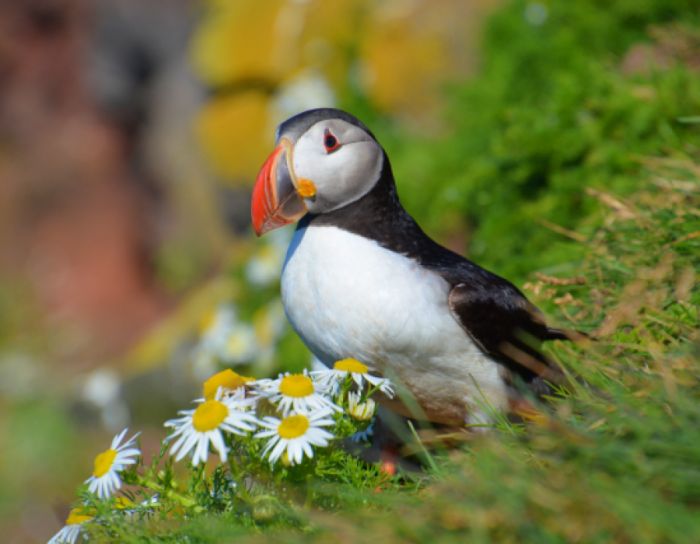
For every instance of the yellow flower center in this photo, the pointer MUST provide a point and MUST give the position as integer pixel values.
(209, 415)
(228, 379)
(76, 516)
(293, 426)
(103, 462)
(351, 365)
(296, 385)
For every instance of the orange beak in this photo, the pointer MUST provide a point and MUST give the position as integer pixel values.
(275, 201)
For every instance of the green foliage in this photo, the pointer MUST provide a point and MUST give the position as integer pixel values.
(33, 437)
(551, 112)
(260, 484)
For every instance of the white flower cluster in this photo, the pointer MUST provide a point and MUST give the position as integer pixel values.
(306, 406)
(305, 403)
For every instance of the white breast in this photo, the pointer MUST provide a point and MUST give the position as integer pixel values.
(346, 296)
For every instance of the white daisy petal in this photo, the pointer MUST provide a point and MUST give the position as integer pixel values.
(217, 441)
(307, 449)
(179, 443)
(70, 533)
(67, 535)
(117, 439)
(295, 434)
(295, 393)
(278, 450)
(205, 425)
(270, 445)
(105, 476)
(185, 449)
(359, 373)
(201, 451)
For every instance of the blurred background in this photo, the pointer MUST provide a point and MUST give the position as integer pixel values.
(131, 132)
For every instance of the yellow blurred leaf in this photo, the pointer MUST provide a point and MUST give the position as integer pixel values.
(241, 40)
(236, 134)
(403, 63)
(331, 33)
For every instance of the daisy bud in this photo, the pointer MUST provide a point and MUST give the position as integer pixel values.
(362, 411)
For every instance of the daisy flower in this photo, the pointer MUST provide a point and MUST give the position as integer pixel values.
(70, 533)
(228, 380)
(105, 474)
(333, 377)
(296, 392)
(294, 435)
(197, 428)
(362, 411)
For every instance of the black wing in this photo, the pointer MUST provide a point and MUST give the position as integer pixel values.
(506, 326)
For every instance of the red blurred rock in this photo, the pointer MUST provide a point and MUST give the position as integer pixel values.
(74, 221)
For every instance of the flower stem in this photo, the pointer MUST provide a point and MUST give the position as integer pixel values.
(170, 493)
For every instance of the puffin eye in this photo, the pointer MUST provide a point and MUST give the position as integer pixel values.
(330, 142)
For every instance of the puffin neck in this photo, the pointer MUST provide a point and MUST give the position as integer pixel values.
(370, 215)
(380, 216)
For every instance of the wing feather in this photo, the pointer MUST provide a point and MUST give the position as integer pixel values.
(506, 326)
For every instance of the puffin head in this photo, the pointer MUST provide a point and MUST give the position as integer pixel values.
(324, 159)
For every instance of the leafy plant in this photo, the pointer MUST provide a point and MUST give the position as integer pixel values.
(557, 107)
(274, 439)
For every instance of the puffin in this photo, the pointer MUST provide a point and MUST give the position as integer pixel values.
(362, 280)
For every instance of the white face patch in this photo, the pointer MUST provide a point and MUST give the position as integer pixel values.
(342, 175)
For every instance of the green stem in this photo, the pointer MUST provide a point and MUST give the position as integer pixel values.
(170, 493)
(426, 453)
(238, 478)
